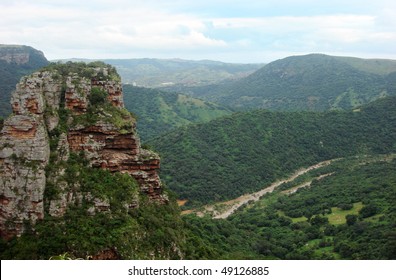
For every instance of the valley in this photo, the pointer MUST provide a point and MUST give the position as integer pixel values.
(238, 154)
(324, 221)
(298, 154)
(223, 210)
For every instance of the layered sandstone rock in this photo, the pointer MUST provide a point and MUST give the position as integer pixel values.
(23, 157)
(107, 138)
(107, 148)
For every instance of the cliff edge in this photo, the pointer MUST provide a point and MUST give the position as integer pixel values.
(68, 123)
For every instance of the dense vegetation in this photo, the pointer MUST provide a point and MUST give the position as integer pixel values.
(365, 231)
(243, 152)
(86, 70)
(312, 82)
(160, 111)
(10, 73)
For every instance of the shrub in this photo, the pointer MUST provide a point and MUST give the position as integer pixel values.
(345, 206)
(98, 96)
(351, 219)
(368, 211)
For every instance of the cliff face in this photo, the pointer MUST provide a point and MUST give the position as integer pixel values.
(15, 62)
(57, 113)
(20, 54)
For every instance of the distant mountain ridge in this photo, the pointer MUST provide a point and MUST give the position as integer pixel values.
(19, 54)
(16, 61)
(157, 73)
(311, 82)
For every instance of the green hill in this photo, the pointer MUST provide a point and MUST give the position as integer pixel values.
(241, 153)
(160, 111)
(312, 82)
(15, 62)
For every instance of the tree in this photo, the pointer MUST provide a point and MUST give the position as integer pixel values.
(351, 219)
(319, 220)
(368, 211)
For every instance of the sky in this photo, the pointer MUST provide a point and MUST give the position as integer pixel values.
(241, 31)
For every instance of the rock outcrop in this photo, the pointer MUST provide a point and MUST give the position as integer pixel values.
(49, 103)
(15, 62)
(106, 148)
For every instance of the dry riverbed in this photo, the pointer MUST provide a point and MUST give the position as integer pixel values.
(224, 209)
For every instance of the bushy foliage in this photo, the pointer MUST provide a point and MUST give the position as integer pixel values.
(97, 97)
(86, 70)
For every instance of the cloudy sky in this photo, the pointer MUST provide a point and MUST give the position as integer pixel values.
(226, 30)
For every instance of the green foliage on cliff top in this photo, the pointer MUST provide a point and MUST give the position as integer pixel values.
(86, 70)
(119, 117)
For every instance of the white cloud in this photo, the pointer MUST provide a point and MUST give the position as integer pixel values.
(235, 32)
(102, 30)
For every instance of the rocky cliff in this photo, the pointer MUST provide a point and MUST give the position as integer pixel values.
(65, 110)
(15, 62)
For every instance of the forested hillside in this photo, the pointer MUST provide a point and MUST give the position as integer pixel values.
(312, 82)
(159, 111)
(348, 215)
(241, 153)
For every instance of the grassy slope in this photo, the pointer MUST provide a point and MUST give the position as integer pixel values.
(314, 82)
(159, 111)
(375, 66)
